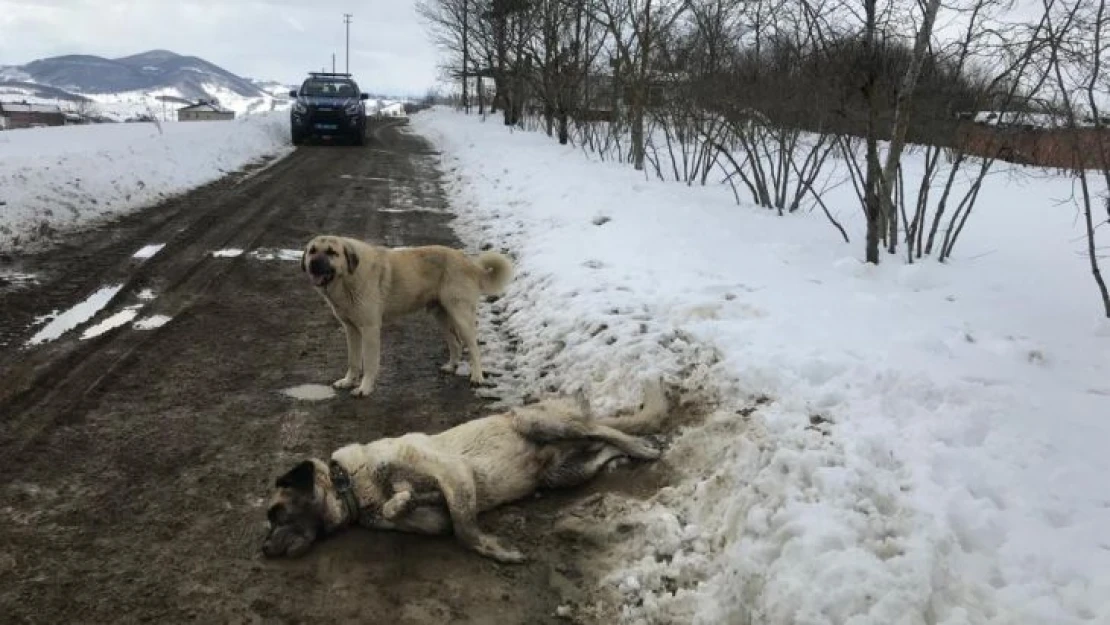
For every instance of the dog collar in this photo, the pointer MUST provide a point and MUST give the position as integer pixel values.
(342, 482)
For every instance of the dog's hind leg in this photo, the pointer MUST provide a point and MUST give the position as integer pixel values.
(466, 324)
(454, 343)
(650, 416)
(572, 464)
(550, 426)
(354, 357)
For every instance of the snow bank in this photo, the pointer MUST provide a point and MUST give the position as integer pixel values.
(64, 177)
(933, 444)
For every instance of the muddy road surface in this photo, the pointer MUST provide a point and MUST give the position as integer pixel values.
(143, 419)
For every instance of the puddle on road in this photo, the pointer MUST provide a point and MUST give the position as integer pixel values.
(147, 251)
(310, 392)
(60, 323)
(118, 319)
(230, 252)
(269, 253)
(151, 322)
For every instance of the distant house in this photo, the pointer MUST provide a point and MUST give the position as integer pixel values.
(24, 115)
(204, 111)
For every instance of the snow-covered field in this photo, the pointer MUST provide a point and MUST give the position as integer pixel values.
(132, 104)
(64, 177)
(121, 106)
(934, 447)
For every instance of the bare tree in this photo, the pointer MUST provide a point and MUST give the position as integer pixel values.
(901, 120)
(1074, 31)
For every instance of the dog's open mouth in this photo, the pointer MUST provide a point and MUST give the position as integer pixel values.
(322, 279)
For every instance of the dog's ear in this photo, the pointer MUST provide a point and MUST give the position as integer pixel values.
(352, 258)
(301, 477)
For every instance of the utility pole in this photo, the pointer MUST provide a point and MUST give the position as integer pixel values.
(347, 21)
(333, 62)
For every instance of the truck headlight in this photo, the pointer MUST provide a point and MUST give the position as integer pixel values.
(299, 107)
(352, 109)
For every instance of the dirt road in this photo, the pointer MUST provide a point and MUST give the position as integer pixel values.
(136, 462)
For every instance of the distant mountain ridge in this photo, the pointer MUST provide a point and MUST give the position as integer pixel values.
(191, 77)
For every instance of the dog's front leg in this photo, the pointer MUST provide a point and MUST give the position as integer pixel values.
(371, 358)
(456, 481)
(354, 356)
(405, 498)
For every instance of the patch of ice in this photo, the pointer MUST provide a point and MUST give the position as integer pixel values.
(309, 392)
(118, 319)
(230, 252)
(268, 253)
(60, 323)
(146, 295)
(368, 178)
(151, 322)
(17, 279)
(148, 251)
(407, 210)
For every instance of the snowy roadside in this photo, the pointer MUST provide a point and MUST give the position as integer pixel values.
(52, 179)
(933, 447)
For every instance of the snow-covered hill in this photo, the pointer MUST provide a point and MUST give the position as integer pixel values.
(156, 83)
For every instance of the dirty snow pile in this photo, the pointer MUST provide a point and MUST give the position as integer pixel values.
(67, 176)
(933, 446)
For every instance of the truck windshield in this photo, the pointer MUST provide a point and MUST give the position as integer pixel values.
(329, 88)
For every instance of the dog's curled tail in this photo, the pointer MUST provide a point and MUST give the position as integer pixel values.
(497, 270)
(651, 415)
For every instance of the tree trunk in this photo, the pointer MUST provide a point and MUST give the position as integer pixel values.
(636, 121)
(465, 58)
(873, 206)
(902, 108)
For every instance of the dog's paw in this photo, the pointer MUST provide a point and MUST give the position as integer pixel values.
(449, 367)
(363, 390)
(344, 382)
(477, 379)
(645, 450)
(492, 548)
(395, 507)
(511, 556)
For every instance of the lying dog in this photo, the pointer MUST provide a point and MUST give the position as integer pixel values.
(367, 285)
(435, 484)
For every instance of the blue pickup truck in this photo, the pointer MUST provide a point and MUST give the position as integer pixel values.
(328, 105)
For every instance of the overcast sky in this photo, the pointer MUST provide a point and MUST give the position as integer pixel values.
(265, 39)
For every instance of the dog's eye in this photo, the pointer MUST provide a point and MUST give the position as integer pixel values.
(312, 250)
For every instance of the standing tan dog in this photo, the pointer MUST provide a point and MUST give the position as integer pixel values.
(436, 484)
(368, 285)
